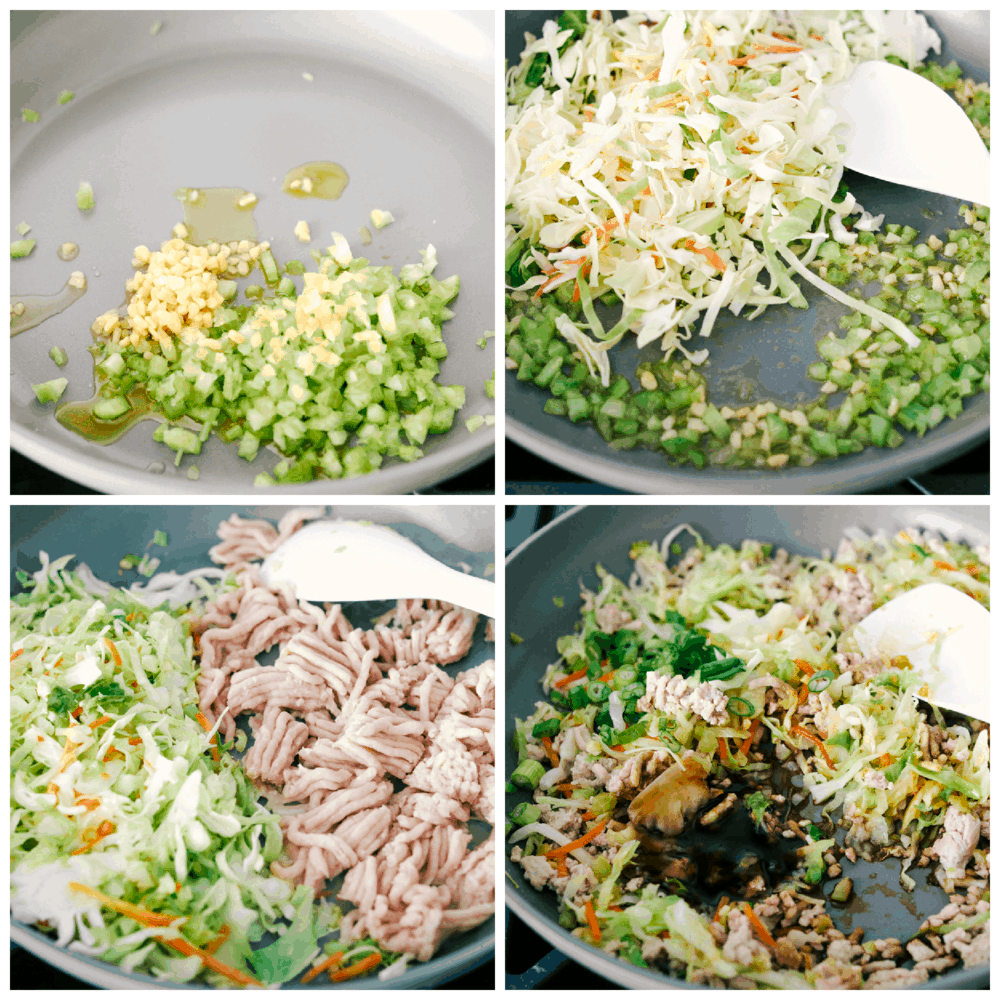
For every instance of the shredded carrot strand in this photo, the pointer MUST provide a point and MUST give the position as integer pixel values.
(104, 830)
(784, 38)
(807, 668)
(607, 677)
(99, 722)
(334, 959)
(588, 815)
(751, 733)
(562, 869)
(552, 755)
(886, 760)
(815, 740)
(217, 942)
(940, 564)
(16, 654)
(569, 678)
(77, 712)
(566, 788)
(778, 48)
(804, 693)
(722, 902)
(215, 964)
(742, 61)
(595, 927)
(593, 832)
(368, 962)
(723, 748)
(134, 741)
(709, 254)
(137, 913)
(758, 926)
(204, 723)
(114, 651)
(151, 919)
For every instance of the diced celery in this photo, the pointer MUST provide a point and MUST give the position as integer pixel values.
(51, 391)
(85, 197)
(109, 409)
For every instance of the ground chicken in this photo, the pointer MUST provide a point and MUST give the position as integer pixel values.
(955, 846)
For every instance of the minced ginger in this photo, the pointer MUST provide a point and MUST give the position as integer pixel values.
(174, 291)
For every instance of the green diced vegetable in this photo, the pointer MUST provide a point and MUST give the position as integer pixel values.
(51, 391)
(548, 727)
(525, 813)
(527, 774)
(85, 197)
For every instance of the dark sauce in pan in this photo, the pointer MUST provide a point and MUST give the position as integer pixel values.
(717, 861)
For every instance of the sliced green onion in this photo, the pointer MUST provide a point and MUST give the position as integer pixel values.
(820, 681)
(527, 774)
(524, 813)
(631, 734)
(59, 356)
(740, 706)
(65, 97)
(21, 248)
(623, 677)
(548, 727)
(598, 691)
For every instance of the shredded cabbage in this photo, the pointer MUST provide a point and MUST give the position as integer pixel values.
(113, 786)
(688, 155)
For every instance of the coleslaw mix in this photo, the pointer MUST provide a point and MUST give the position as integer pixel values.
(693, 661)
(107, 745)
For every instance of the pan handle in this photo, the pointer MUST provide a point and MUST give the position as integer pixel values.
(547, 966)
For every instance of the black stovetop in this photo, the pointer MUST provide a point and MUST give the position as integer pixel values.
(27, 478)
(527, 475)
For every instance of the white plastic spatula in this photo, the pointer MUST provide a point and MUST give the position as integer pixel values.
(349, 561)
(905, 129)
(936, 616)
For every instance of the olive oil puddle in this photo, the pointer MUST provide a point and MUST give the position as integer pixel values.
(79, 417)
(325, 180)
(214, 215)
(38, 308)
